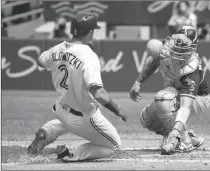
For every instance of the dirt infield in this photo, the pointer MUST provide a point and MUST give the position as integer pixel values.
(139, 156)
(24, 112)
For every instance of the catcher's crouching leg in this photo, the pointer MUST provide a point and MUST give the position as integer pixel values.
(150, 121)
(167, 104)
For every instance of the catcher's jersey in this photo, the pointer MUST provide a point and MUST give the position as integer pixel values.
(188, 78)
(75, 68)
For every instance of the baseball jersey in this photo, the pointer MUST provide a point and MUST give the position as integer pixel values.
(75, 68)
(189, 78)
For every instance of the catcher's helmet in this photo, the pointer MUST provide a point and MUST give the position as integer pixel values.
(190, 32)
(183, 43)
(82, 23)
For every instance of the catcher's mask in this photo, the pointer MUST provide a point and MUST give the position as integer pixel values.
(183, 43)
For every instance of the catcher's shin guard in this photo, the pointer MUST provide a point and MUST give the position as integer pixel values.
(149, 120)
(38, 143)
(166, 107)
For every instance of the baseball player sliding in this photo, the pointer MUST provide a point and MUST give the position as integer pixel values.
(76, 76)
(185, 90)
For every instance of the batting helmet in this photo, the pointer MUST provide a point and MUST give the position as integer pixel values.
(82, 23)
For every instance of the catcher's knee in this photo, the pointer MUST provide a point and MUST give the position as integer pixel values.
(166, 100)
(167, 104)
(149, 123)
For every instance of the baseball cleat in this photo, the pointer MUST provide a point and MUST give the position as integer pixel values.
(38, 143)
(62, 151)
(162, 142)
(170, 145)
(185, 147)
(196, 141)
(64, 155)
(69, 159)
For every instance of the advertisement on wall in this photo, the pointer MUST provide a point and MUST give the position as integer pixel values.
(19, 67)
(132, 12)
(121, 61)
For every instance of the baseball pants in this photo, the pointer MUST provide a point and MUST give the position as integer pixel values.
(103, 138)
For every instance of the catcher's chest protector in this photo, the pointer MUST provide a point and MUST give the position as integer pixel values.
(171, 73)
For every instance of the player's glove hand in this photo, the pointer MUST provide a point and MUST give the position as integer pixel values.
(135, 92)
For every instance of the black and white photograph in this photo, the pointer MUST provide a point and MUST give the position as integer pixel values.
(105, 85)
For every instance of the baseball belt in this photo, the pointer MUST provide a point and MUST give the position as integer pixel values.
(69, 109)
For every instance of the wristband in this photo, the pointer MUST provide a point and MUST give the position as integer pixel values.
(136, 82)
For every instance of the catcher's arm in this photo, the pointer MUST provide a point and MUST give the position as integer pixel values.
(189, 90)
(154, 48)
(151, 66)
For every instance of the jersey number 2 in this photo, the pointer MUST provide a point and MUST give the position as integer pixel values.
(66, 74)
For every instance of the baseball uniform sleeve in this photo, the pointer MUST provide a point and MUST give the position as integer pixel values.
(203, 89)
(92, 74)
(46, 59)
(190, 84)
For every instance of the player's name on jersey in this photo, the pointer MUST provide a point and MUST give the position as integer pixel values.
(67, 57)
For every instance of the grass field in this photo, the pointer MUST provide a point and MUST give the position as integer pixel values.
(23, 112)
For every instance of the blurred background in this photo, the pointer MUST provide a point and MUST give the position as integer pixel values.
(30, 27)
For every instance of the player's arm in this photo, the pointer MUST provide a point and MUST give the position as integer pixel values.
(40, 59)
(39, 63)
(93, 82)
(101, 95)
(45, 59)
(189, 90)
(154, 48)
(151, 66)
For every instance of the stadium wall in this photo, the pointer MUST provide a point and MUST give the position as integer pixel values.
(121, 62)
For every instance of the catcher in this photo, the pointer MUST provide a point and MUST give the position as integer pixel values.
(185, 90)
